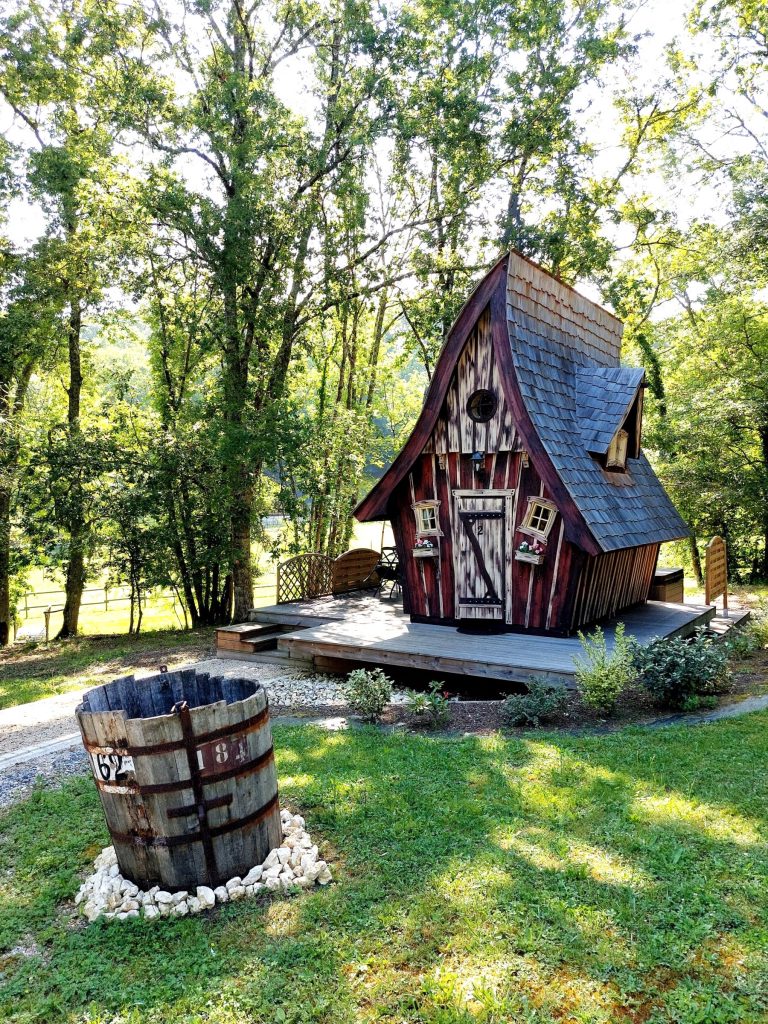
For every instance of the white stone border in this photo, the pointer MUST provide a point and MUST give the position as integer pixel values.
(294, 865)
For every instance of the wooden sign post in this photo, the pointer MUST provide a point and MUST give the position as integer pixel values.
(716, 573)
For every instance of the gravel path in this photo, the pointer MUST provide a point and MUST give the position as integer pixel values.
(296, 698)
(43, 721)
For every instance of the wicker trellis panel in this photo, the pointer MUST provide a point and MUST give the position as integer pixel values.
(304, 576)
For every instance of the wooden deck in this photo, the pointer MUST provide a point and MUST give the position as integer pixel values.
(338, 633)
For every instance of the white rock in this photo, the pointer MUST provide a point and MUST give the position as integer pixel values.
(273, 882)
(221, 892)
(180, 909)
(287, 881)
(303, 881)
(114, 870)
(129, 888)
(179, 897)
(295, 858)
(132, 912)
(272, 872)
(165, 909)
(305, 842)
(130, 905)
(162, 897)
(151, 912)
(307, 862)
(234, 883)
(237, 893)
(325, 876)
(298, 821)
(253, 876)
(194, 904)
(272, 859)
(91, 910)
(206, 896)
(283, 855)
(258, 887)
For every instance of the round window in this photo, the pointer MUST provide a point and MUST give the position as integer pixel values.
(482, 405)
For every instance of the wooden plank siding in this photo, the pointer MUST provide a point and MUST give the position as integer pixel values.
(612, 581)
(538, 597)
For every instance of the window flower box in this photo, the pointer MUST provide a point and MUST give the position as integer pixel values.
(533, 553)
(424, 549)
(529, 556)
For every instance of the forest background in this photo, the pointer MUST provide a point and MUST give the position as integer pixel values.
(235, 234)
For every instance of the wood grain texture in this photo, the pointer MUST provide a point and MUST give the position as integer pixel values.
(375, 504)
(178, 790)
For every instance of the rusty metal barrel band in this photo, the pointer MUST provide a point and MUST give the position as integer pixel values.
(171, 787)
(141, 839)
(248, 725)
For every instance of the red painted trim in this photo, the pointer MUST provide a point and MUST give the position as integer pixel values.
(576, 529)
(374, 505)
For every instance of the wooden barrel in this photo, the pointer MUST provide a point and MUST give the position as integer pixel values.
(185, 770)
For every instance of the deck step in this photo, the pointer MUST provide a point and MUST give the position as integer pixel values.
(243, 630)
(250, 638)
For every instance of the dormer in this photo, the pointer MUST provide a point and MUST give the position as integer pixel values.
(609, 405)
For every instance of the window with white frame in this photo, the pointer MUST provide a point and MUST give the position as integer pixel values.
(539, 518)
(617, 452)
(427, 521)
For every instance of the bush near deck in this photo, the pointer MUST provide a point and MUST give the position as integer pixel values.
(595, 879)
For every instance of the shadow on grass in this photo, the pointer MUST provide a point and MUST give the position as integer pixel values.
(42, 670)
(596, 879)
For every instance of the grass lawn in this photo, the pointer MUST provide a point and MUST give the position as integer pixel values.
(29, 672)
(593, 879)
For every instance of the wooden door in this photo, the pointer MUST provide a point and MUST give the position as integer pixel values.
(482, 553)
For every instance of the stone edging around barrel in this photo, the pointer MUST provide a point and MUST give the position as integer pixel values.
(289, 867)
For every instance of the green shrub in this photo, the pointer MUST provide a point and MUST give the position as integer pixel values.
(541, 703)
(602, 674)
(432, 706)
(751, 637)
(680, 672)
(369, 691)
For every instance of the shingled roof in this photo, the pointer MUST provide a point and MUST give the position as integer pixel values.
(604, 396)
(565, 351)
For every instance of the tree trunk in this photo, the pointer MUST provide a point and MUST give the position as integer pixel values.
(696, 559)
(73, 588)
(75, 581)
(242, 573)
(5, 567)
(763, 432)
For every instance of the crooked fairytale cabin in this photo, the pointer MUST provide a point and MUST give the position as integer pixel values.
(522, 499)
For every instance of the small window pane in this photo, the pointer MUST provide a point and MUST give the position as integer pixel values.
(539, 519)
(426, 519)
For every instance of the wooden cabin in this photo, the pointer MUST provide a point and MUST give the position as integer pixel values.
(522, 499)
